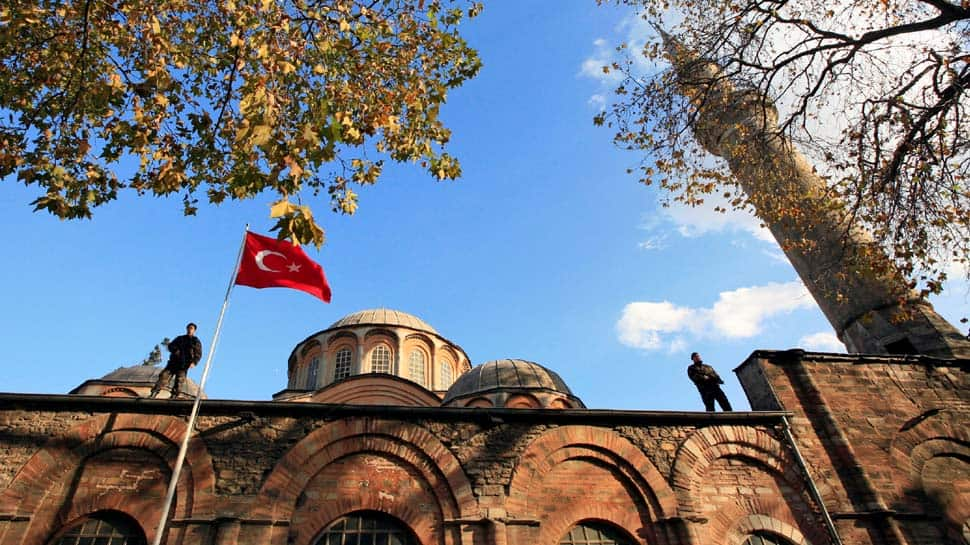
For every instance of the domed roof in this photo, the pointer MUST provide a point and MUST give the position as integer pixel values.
(140, 375)
(135, 373)
(506, 374)
(384, 316)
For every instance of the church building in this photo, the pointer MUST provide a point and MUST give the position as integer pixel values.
(388, 433)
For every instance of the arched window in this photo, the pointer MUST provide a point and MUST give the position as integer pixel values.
(380, 360)
(765, 538)
(416, 366)
(312, 371)
(368, 527)
(593, 533)
(105, 527)
(447, 376)
(341, 366)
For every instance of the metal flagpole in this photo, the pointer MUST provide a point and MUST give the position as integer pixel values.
(180, 460)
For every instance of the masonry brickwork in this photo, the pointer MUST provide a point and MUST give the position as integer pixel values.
(884, 439)
(887, 439)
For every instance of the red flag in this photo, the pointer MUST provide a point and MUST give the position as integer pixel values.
(271, 263)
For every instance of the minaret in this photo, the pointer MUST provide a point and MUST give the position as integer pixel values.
(864, 297)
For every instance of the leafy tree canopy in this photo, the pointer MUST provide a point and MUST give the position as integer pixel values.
(225, 99)
(876, 92)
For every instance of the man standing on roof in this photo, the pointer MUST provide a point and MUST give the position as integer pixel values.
(184, 352)
(708, 383)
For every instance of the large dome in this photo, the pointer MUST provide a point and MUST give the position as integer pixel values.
(498, 381)
(384, 316)
(380, 341)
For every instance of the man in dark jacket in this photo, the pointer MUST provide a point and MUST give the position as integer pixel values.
(708, 383)
(184, 352)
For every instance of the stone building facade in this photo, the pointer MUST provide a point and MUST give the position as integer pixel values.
(845, 449)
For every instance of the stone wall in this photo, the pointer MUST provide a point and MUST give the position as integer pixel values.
(280, 473)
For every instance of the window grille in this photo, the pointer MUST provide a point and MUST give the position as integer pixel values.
(380, 360)
(341, 368)
(416, 366)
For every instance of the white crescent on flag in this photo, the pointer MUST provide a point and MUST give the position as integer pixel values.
(261, 255)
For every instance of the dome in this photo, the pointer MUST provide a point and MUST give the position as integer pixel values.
(509, 375)
(135, 380)
(135, 373)
(382, 341)
(384, 316)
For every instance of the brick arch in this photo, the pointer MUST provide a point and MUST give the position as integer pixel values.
(707, 445)
(157, 435)
(312, 344)
(409, 443)
(553, 532)
(106, 512)
(311, 517)
(425, 537)
(382, 332)
(606, 447)
(933, 432)
(120, 391)
(376, 389)
(421, 338)
(342, 335)
(744, 526)
(522, 401)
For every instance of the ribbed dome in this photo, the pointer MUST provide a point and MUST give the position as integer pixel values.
(384, 316)
(506, 374)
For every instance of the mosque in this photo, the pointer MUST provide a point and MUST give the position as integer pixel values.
(386, 434)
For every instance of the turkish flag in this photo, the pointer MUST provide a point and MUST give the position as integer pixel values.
(271, 263)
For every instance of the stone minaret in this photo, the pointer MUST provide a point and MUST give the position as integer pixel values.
(862, 294)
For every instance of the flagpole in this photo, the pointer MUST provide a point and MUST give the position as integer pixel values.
(180, 460)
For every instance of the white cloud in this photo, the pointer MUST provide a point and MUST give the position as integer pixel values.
(696, 221)
(653, 243)
(597, 101)
(823, 341)
(740, 313)
(592, 66)
(641, 324)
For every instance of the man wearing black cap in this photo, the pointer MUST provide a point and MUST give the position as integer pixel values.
(184, 352)
(708, 383)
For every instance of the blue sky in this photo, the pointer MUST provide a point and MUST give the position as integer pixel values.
(545, 250)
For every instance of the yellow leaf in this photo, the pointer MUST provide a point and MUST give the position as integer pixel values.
(344, 25)
(281, 208)
(261, 134)
(310, 136)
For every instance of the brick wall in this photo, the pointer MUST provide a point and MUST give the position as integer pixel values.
(877, 433)
(278, 473)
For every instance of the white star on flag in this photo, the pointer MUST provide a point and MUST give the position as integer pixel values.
(293, 267)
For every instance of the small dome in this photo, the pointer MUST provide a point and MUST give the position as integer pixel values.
(508, 375)
(135, 373)
(135, 379)
(384, 316)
